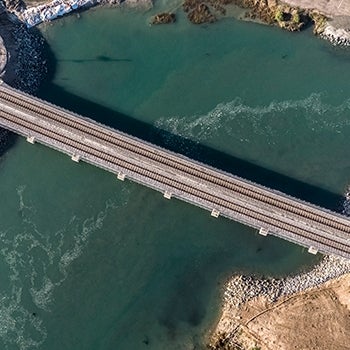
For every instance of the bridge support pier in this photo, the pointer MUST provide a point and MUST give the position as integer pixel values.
(167, 195)
(264, 232)
(31, 139)
(76, 158)
(219, 193)
(121, 176)
(215, 213)
(313, 250)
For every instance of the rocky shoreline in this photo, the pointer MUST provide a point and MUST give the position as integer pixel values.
(285, 14)
(291, 15)
(22, 62)
(242, 289)
(33, 14)
(30, 66)
(25, 66)
(337, 32)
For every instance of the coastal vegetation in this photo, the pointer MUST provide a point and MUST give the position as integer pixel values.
(269, 12)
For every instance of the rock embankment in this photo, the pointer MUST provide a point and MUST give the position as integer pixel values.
(337, 31)
(241, 289)
(46, 11)
(33, 16)
(15, 5)
(30, 65)
(22, 62)
(25, 66)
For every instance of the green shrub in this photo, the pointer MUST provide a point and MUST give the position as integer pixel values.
(279, 15)
(296, 18)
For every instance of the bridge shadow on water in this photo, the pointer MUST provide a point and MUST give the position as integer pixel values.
(191, 149)
(179, 144)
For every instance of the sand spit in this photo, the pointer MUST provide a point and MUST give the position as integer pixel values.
(248, 296)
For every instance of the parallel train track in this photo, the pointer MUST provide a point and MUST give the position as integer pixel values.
(167, 181)
(119, 140)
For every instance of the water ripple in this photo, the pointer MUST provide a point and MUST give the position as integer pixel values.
(38, 263)
(244, 122)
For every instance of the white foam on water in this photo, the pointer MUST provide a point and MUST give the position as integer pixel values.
(42, 297)
(243, 122)
(16, 322)
(88, 227)
(83, 229)
(20, 190)
(38, 263)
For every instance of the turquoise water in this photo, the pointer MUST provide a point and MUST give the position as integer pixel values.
(87, 262)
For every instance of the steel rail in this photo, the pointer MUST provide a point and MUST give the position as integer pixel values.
(199, 193)
(98, 132)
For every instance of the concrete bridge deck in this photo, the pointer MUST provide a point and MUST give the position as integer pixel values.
(269, 211)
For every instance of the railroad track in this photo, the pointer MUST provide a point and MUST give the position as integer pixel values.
(114, 138)
(199, 193)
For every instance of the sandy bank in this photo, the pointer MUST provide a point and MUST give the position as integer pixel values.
(330, 8)
(337, 28)
(267, 313)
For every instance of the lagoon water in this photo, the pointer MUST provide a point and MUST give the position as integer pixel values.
(87, 262)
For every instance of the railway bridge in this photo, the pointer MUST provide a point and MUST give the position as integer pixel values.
(267, 210)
